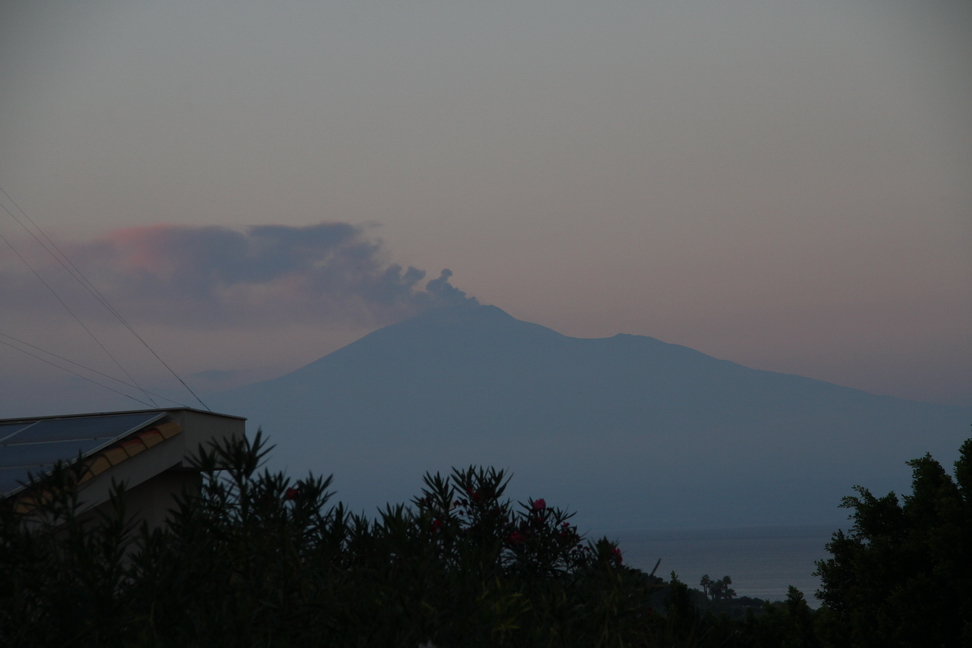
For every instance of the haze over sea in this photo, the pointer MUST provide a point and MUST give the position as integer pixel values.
(762, 561)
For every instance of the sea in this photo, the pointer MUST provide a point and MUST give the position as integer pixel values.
(761, 561)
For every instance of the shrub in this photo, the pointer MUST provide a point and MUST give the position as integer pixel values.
(257, 559)
(901, 576)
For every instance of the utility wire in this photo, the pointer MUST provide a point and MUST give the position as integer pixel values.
(137, 400)
(68, 309)
(63, 260)
(90, 287)
(77, 364)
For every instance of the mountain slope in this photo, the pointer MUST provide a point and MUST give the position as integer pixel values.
(629, 430)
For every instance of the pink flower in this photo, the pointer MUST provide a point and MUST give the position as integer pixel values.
(515, 538)
(436, 524)
(539, 505)
(616, 552)
(291, 494)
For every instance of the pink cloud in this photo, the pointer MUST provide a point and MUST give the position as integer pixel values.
(329, 272)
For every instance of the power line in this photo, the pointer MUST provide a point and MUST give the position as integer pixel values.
(63, 260)
(75, 272)
(77, 364)
(137, 400)
(68, 309)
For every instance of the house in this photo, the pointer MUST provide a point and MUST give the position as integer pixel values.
(147, 450)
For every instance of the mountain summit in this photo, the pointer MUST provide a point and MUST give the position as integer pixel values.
(631, 431)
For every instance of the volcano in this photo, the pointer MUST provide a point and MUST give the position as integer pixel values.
(630, 431)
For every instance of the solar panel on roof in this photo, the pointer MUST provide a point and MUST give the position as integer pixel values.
(8, 429)
(36, 446)
(35, 455)
(89, 427)
(10, 479)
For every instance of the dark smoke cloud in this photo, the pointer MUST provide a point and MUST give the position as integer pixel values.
(331, 272)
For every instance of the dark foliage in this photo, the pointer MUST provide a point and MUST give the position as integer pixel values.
(259, 560)
(902, 576)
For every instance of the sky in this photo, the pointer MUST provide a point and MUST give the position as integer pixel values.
(255, 184)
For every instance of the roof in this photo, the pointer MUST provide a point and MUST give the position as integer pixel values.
(32, 446)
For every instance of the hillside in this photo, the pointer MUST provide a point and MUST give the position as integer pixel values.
(629, 430)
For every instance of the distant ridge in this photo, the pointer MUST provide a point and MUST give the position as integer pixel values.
(632, 431)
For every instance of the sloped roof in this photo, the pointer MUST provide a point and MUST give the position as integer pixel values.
(31, 447)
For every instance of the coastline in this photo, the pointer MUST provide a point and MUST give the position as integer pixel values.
(762, 561)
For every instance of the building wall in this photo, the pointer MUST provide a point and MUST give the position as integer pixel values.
(153, 500)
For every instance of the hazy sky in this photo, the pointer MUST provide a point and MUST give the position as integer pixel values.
(253, 184)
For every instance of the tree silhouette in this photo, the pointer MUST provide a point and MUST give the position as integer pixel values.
(901, 576)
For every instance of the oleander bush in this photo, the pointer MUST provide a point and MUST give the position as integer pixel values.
(257, 559)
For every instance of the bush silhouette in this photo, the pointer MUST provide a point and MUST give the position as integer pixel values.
(259, 559)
